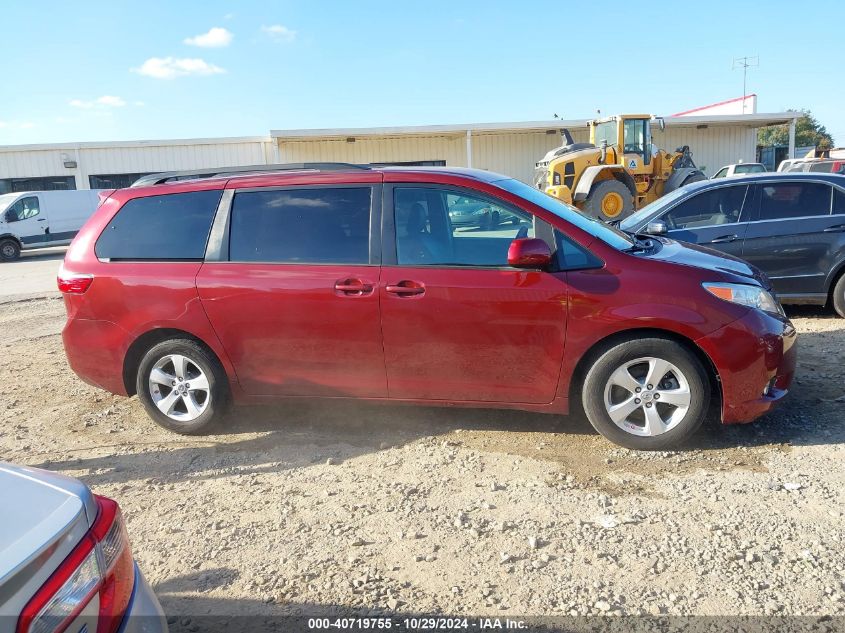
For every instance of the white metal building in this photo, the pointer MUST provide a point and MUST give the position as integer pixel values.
(508, 148)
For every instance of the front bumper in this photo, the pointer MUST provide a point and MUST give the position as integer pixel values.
(144, 614)
(755, 357)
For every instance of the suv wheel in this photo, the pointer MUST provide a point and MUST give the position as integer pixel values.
(646, 394)
(838, 296)
(182, 386)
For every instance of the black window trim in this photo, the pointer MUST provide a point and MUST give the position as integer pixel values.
(217, 249)
(544, 230)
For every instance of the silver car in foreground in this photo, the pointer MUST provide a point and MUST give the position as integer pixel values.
(65, 562)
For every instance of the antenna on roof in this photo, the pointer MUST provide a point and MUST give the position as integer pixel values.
(745, 63)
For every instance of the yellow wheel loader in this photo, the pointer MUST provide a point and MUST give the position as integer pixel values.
(618, 171)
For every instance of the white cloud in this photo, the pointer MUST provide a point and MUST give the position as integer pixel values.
(27, 125)
(172, 67)
(217, 37)
(17, 125)
(106, 101)
(279, 32)
(228, 16)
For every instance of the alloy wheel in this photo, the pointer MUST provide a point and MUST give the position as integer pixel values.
(647, 396)
(179, 388)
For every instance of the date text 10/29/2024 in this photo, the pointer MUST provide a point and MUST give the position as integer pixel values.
(416, 624)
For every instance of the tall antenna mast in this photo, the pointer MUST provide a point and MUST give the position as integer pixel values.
(745, 63)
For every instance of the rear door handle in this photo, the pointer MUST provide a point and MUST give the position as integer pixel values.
(723, 239)
(838, 228)
(353, 287)
(406, 288)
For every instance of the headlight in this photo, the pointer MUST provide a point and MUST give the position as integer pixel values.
(751, 296)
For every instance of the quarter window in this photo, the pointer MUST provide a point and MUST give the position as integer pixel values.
(794, 200)
(321, 226)
(838, 202)
(23, 209)
(435, 226)
(170, 227)
(717, 206)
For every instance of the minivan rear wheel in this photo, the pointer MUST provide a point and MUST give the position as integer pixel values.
(182, 386)
(646, 394)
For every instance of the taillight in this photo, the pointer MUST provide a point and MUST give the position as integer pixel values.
(73, 284)
(100, 564)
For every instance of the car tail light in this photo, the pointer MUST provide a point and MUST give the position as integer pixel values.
(73, 284)
(101, 564)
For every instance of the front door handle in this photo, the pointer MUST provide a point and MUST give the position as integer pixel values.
(41, 220)
(723, 239)
(406, 288)
(353, 287)
(838, 228)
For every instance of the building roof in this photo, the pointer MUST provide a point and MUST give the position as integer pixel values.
(553, 125)
(716, 105)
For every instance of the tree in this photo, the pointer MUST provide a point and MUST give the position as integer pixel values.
(808, 132)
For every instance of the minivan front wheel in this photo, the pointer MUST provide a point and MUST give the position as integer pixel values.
(182, 386)
(646, 394)
(9, 250)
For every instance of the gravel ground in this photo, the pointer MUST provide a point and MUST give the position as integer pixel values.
(325, 507)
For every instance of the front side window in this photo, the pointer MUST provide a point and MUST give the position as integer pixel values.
(296, 226)
(794, 200)
(155, 228)
(23, 209)
(838, 202)
(717, 206)
(442, 227)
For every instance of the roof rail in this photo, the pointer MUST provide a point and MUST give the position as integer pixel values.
(171, 176)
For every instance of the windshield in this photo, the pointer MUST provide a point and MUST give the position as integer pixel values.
(606, 132)
(6, 200)
(633, 221)
(606, 233)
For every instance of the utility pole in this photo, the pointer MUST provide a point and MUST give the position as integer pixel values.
(745, 63)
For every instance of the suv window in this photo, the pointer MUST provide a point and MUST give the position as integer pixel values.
(749, 169)
(838, 202)
(722, 205)
(794, 200)
(169, 227)
(721, 173)
(438, 226)
(23, 209)
(330, 225)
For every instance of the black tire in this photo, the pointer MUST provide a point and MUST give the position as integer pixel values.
(9, 250)
(593, 204)
(200, 362)
(694, 178)
(598, 378)
(838, 296)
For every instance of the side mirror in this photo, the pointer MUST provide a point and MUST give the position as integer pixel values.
(656, 228)
(529, 252)
(10, 216)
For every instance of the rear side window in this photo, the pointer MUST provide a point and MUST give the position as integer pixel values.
(794, 200)
(170, 227)
(838, 202)
(321, 226)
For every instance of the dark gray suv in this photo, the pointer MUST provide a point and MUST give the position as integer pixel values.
(790, 225)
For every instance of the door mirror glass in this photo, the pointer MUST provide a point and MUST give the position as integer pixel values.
(10, 216)
(529, 253)
(656, 227)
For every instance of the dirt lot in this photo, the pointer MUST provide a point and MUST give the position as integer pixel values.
(324, 507)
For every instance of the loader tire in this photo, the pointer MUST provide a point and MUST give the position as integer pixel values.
(609, 200)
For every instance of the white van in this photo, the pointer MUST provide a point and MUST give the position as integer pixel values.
(35, 219)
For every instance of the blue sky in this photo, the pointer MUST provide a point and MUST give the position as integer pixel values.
(85, 71)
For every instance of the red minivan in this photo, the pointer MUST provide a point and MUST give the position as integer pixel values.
(343, 281)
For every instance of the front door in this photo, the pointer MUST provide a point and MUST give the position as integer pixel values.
(295, 304)
(792, 240)
(716, 218)
(28, 221)
(458, 323)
